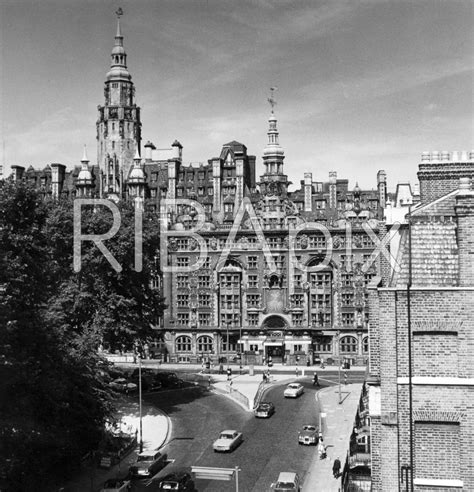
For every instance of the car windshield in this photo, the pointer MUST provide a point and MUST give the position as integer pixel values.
(225, 435)
(285, 485)
(309, 428)
(293, 386)
(264, 406)
(145, 457)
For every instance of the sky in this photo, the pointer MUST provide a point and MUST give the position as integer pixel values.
(362, 85)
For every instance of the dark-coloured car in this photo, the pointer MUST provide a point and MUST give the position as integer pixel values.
(149, 381)
(116, 485)
(148, 464)
(309, 434)
(179, 481)
(169, 380)
(265, 410)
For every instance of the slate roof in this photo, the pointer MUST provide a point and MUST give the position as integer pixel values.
(434, 248)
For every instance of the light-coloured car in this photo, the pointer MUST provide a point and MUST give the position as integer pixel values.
(293, 390)
(287, 482)
(228, 440)
(117, 485)
(148, 464)
(122, 385)
(265, 409)
(309, 434)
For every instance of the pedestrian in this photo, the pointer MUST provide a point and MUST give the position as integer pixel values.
(296, 371)
(264, 377)
(221, 369)
(336, 467)
(209, 382)
(315, 380)
(229, 373)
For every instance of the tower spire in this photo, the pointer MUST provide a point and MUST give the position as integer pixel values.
(118, 125)
(273, 180)
(118, 36)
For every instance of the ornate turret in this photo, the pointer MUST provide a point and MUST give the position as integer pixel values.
(273, 181)
(118, 125)
(136, 181)
(84, 181)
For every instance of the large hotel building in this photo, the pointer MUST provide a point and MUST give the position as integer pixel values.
(292, 282)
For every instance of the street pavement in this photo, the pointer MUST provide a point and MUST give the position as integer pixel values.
(337, 422)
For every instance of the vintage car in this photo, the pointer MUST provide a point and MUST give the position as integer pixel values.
(178, 481)
(265, 409)
(309, 434)
(293, 390)
(116, 485)
(287, 482)
(148, 464)
(123, 385)
(228, 440)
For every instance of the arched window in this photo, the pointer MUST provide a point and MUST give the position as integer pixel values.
(204, 344)
(365, 345)
(183, 344)
(348, 345)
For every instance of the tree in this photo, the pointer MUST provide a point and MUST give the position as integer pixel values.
(54, 400)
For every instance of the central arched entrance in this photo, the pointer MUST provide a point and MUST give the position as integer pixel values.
(274, 344)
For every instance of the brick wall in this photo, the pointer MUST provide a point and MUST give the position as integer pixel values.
(438, 179)
(442, 323)
(437, 453)
(435, 354)
(465, 214)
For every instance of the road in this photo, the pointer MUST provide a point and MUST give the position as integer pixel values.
(270, 445)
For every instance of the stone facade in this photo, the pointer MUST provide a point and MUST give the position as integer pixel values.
(263, 290)
(286, 272)
(421, 339)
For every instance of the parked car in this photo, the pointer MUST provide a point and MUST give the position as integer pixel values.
(148, 464)
(228, 440)
(117, 485)
(293, 390)
(287, 482)
(169, 379)
(178, 481)
(122, 385)
(265, 409)
(149, 382)
(308, 435)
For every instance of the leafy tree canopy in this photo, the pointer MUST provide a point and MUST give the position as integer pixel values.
(54, 400)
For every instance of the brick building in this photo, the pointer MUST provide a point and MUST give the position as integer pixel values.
(268, 294)
(275, 294)
(421, 339)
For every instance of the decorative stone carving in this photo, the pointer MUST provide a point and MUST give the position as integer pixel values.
(213, 243)
(172, 244)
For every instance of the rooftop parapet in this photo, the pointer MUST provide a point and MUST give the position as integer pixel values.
(436, 156)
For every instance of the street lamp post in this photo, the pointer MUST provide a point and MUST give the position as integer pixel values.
(140, 400)
(241, 345)
(227, 325)
(339, 369)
